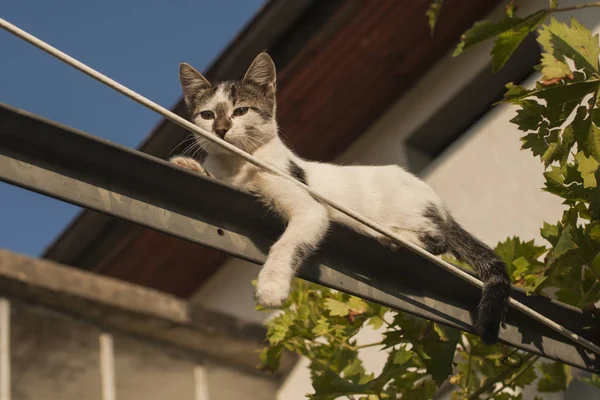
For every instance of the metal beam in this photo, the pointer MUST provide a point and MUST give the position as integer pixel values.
(78, 168)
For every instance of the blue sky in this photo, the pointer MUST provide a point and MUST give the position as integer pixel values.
(139, 43)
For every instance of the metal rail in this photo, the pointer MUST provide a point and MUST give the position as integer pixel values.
(78, 168)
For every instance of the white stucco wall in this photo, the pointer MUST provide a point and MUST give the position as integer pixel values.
(490, 186)
(55, 356)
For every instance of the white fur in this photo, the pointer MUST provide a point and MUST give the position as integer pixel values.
(388, 195)
(237, 133)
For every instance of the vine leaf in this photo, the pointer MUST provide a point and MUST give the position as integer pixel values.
(555, 377)
(588, 167)
(554, 69)
(565, 243)
(529, 116)
(433, 14)
(509, 34)
(337, 308)
(575, 42)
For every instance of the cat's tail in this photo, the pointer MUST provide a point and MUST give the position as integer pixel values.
(490, 269)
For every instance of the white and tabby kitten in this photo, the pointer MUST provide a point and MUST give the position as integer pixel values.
(243, 114)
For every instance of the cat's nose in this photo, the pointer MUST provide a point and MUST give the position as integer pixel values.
(221, 132)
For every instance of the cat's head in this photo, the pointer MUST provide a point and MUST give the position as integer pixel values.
(241, 113)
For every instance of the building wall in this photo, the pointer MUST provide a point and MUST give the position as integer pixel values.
(54, 356)
(490, 186)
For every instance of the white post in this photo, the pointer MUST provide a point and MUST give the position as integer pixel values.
(4, 349)
(201, 381)
(107, 367)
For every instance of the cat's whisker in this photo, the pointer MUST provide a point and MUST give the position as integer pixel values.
(249, 143)
(197, 151)
(286, 140)
(190, 149)
(246, 144)
(187, 139)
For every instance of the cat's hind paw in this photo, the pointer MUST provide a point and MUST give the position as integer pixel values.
(188, 163)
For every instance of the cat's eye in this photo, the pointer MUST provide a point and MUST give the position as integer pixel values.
(207, 115)
(238, 112)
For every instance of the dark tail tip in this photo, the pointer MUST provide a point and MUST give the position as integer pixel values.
(492, 308)
(489, 267)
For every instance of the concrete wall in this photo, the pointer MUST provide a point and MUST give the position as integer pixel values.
(491, 186)
(54, 356)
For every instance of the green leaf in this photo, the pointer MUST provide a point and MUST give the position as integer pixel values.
(484, 30)
(569, 296)
(337, 308)
(435, 344)
(527, 377)
(402, 356)
(595, 231)
(322, 327)
(517, 254)
(433, 13)
(376, 322)
(353, 369)
(550, 233)
(508, 41)
(529, 115)
(572, 193)
(553, 3)
(270, 358)
(555, 175)
(553, 68)
(568, 140)
(555, 95)
(515, 92)
(536, 143)
(392, 338)
(596, 263)
(505, 45)
(357, 305)
(452, 260)
(586, 133)
(591, 145)
(555, 377)
(279, 327)
(554, 151)
(522, 266)
(423, 390)
(588, 167)
(565, 243)
(329, 385)
(595, 203)
(575, 42)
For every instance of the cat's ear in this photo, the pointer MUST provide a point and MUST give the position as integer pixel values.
(192, 82)
(262, 73)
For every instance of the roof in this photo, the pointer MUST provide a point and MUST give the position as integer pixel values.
(341, 64)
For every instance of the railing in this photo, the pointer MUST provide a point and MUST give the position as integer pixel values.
(78, 168)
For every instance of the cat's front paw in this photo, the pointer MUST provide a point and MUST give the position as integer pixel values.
(188, 163)
(271, 293)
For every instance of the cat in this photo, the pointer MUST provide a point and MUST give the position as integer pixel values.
(243, 114)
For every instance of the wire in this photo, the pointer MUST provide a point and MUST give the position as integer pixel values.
(254, 161)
